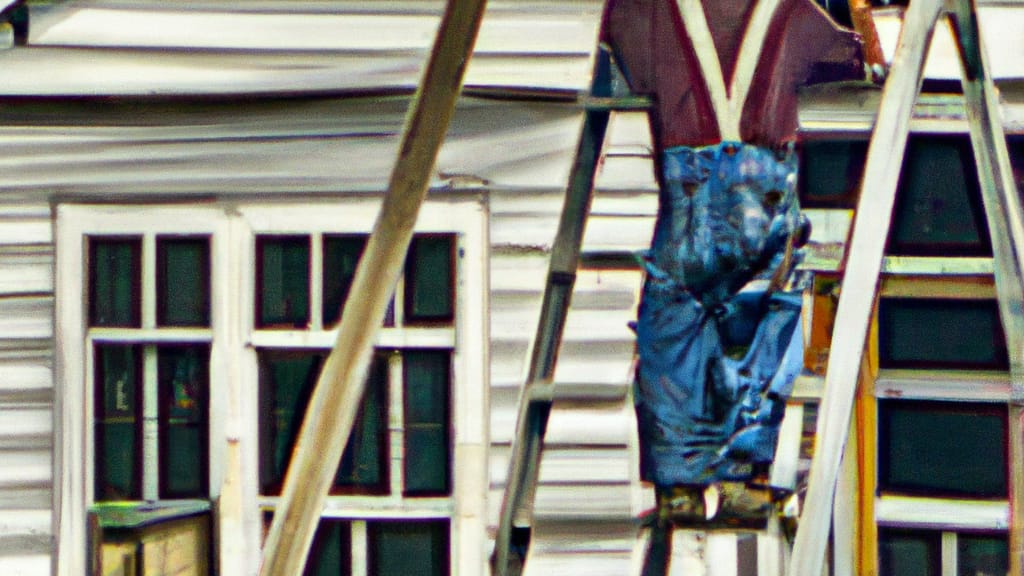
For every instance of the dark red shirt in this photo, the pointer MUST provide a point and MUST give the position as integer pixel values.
(651, 46)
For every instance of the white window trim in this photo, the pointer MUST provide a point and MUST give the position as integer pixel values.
(941, 514)
(234, 438)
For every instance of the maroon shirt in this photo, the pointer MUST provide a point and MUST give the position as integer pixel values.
(803, 46)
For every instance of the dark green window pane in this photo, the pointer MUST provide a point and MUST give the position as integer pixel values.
(331, 552)
(982, 555)
(408, 548)
(938, 208)
(364, 462)
(183, 281)
(427, 393)
(114, 279)
(931, 333)
(909, 553)
(282, 281)
(118, 431)
(184, 391)
(341, 255)
(429, 279)
(287, 380)
(942, 449)
(830, 171)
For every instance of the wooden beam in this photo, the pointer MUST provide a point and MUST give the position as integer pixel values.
(1006, 228)
(860, 283)
(332, 409)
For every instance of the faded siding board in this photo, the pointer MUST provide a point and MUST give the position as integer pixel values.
(25, 470)
(531, 46)
(26, 269)
(22, 564)
(26, 389)
(321, 147)
(26, 318)
(24, 224)
(26, 427)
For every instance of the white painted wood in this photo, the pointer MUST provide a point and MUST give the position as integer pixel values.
(241, 523)
(73, 401)
(845, 511)
(772, 550)
(787, 451)
(321, 147)
(937, 266)
(386, 337)
(1000, 25)
(359, 549)
(509, 27)
(721, 555)
(26, 380)
(949, 554)
(26, 427)
(689, 549)
(25, 224)
(26, 317)
(26, 565)
(26, 269)
(871, 225)
(25, 469)
(957, 386)
(912, 512)
(150, 425)
(831, 110)
(70, 470)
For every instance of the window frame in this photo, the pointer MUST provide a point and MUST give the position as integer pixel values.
(942, 278)
(234, 438)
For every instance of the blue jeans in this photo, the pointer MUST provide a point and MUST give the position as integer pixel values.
(717, 363)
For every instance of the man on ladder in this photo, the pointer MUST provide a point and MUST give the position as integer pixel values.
(717, 363)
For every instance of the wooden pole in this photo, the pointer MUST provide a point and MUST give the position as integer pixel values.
(860, 281)
(328, 422)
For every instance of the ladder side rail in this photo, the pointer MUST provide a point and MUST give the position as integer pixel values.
(1006, 229)
(536, 399)
(860, 280)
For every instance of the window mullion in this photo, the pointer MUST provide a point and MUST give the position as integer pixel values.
(949, 554)
(398, 301)
(316, 282)
(149, 281)
(150, 426)
(360, 545)
(396, 423)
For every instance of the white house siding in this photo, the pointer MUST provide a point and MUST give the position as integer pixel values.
(588, 493)
(26, 389)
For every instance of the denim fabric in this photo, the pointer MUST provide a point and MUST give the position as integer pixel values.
(716, 364)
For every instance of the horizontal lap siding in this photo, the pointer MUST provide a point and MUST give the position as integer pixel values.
(89, 150)
(588, 474)
(26, 389)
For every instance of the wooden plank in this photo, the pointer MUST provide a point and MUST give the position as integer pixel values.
(328, 424)
(1006, 228)
(870, 231)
